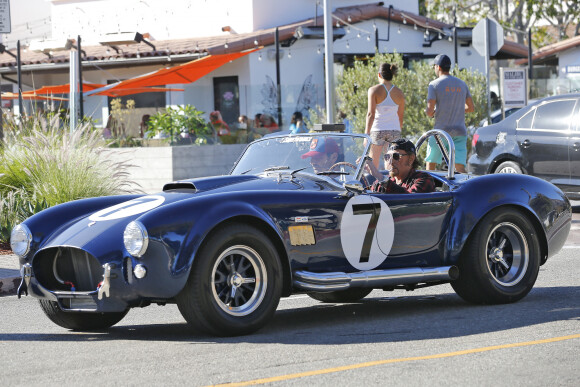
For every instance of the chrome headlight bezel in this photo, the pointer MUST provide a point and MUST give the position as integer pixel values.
(20, 240)
(136, 239)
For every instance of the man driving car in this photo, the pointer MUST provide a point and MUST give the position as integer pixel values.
(401, 162)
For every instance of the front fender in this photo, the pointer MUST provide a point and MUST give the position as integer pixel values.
(182, 227)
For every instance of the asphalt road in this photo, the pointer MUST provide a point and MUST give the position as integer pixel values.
(426, 337)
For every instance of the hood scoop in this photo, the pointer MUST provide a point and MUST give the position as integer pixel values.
(180, 186)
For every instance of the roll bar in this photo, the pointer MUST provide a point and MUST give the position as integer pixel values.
(449, 157)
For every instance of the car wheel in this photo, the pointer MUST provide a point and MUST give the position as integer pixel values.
(348, 295)
(501, 260)
(235, 283)
(80, 321)
(509, 167)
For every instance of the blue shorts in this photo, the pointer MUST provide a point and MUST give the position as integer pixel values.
(434, 154)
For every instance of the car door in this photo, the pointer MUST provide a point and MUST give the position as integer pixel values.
(544, 140)
(420, 224)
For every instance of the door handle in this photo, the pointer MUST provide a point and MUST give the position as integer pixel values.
(526, 143)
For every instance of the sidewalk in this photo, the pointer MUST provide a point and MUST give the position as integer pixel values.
(9, 275)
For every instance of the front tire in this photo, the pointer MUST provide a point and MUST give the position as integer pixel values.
(235, 283)
(501, 260)
(80, 321)
(341, 296)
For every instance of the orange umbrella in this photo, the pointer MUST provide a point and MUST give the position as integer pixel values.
(185, 73)
(32, 95)
(135, 90)
(65, 89)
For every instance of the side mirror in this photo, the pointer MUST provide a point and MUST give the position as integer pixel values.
(354, 186)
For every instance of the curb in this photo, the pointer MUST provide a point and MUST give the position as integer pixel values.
(9, 286)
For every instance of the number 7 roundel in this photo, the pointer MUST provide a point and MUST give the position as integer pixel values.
(367, 231)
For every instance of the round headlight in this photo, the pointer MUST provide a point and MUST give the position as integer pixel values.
(135, 239)
(20, 240)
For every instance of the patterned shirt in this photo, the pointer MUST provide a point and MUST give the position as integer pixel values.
(416, 182)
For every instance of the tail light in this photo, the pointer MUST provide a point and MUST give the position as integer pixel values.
(474, 141)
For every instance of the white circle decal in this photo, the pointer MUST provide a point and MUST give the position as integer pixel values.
(130, 208)
(367, 231)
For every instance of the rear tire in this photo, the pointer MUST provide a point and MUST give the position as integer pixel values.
(509, 167)
(341, 296)
(235, 282)
(80, 321)
(501, 260)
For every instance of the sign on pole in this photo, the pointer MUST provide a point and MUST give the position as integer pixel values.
(5, 24)
(514, 89)
(487, 40)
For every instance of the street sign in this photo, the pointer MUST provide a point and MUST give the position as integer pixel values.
(5, 24)
(479, 38)
(513, 87)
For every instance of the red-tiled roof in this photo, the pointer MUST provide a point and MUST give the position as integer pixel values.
(236, 42)
(552, 49)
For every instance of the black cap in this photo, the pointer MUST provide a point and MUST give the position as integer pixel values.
(442, 60)
(403, 144)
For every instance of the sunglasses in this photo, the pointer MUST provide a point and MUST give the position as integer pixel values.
(395, 156)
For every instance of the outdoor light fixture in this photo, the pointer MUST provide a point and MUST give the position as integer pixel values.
(126, 38)
(4, 50)
(46, 46)
(317, 32)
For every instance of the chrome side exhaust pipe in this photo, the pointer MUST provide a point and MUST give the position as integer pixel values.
(330, 282)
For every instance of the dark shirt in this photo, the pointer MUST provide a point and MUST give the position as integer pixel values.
(416, 182)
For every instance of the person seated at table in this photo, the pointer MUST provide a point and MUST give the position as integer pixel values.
(218, 123)
(401, 162)
(269, 123)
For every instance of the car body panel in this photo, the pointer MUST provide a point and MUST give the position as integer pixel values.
(315, 223)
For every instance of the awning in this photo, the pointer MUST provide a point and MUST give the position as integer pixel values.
(136, 90)
(186, 73)
(65, 89)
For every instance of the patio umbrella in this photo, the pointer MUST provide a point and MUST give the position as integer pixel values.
(135, 90)
(185, 73)
(32, 96)
(65, 89)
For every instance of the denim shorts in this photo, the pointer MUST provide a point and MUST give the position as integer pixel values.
(434, 154)
(380, 137)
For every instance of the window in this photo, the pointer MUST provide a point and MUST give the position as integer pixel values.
(526, 121)
(555, 115)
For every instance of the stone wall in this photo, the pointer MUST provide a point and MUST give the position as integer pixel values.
(152, 167)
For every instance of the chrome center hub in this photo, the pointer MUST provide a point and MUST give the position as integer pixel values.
(496, 254)
(236, 280)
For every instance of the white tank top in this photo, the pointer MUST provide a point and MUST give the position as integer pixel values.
(386, 117)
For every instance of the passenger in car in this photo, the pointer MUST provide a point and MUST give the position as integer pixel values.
(401, 162)
(324, 153)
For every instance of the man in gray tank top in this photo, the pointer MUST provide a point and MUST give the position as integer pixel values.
(448, 99)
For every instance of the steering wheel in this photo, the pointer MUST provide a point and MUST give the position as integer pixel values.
(347, 164)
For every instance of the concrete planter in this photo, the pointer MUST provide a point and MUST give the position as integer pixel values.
(155, 166)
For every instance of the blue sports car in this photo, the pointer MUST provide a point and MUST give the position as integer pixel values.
(289, 218)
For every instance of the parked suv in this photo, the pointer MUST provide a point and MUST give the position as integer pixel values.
(542, 139)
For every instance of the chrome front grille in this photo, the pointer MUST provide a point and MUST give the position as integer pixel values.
(67, 268)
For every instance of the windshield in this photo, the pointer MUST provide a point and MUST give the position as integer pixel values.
(330, 154)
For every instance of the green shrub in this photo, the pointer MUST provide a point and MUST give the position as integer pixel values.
(42, 165)
(175, 122)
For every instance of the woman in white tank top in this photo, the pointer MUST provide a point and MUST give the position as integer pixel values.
(386, 106)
